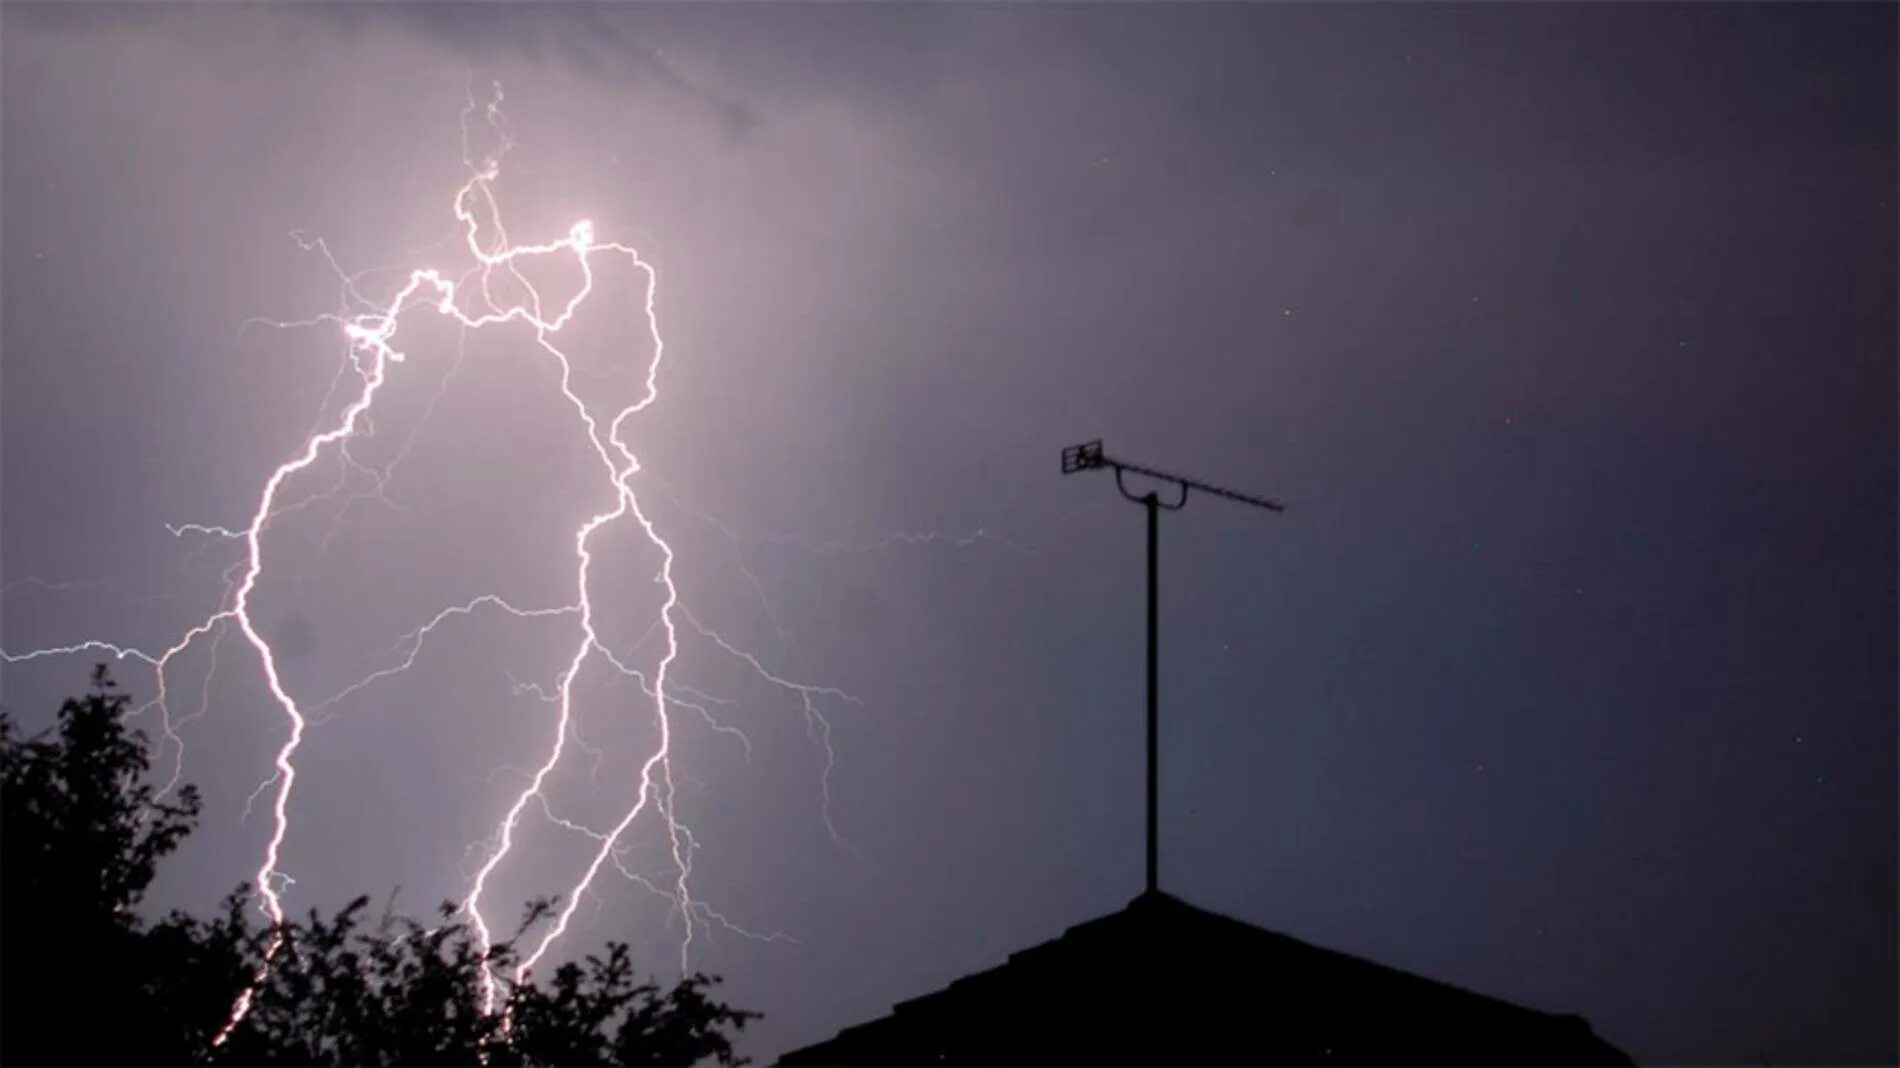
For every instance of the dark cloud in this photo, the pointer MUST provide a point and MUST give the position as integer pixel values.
(588, 40)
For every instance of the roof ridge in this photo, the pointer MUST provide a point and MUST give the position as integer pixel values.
(1156, 927)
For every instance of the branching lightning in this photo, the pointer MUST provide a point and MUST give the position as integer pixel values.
(469, 302)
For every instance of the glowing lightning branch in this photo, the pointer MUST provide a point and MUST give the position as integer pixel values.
(706, 914)
(410, 644)
(673, 698)
(372, 354)
(171, 727)
(179, 530)
(471, 301)
(33, 582)
(815, 722)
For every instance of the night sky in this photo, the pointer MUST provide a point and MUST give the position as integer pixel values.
(1567, 332)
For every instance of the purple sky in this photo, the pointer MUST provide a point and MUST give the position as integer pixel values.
(1567, 332)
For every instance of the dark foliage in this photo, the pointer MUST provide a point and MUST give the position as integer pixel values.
(85, 979)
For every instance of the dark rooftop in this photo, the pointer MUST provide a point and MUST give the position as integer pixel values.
(1164, 982)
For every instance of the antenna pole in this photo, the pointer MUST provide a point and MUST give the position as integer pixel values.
(1153, 503)
(1088, 457)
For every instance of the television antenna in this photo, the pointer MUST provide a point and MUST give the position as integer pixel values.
(1089, 457)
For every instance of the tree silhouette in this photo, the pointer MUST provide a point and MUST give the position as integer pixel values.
(84, 979)
(81, 835)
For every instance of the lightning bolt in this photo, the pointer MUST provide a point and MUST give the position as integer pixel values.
(373, 354)
(34, 582)
(472, 300)
(179, 530)
(706, 914)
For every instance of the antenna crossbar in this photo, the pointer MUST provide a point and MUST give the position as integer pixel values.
(1089, 456)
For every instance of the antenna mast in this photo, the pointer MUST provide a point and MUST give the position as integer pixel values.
(1088, 457)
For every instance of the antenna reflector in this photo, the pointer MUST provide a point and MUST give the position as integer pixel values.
(1084, 457)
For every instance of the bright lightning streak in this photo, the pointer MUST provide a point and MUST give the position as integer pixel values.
(171, 727)
(118, 652)
(372, 355)
(817, 726)
(706, 913)
(179, 530)
(471, 301)
(411, 643)
(673, 699)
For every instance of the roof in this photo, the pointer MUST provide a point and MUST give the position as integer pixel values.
(1164, 982)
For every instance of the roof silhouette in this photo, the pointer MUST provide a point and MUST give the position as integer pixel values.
(1165, 982)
